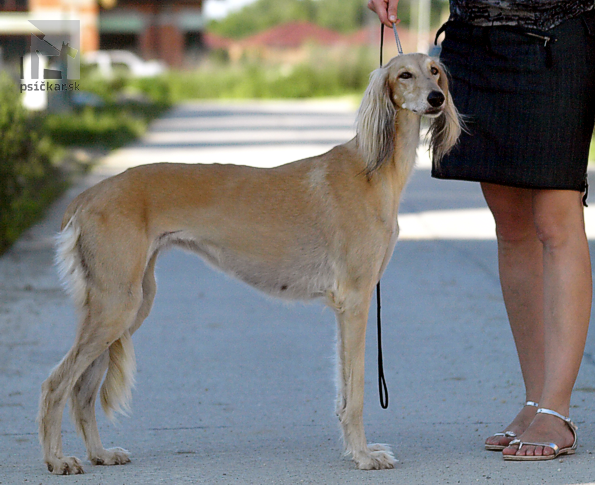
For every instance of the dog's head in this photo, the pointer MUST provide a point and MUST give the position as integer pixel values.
(415, 82)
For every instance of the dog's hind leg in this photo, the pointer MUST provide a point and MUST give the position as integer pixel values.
(118, 361)
(115, 392)
(116, 389)
(352, 316)
(82, 411)
(108, 310)
(82, 403)
(92, 341)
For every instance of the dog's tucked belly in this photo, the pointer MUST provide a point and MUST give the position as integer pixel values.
(303, 277)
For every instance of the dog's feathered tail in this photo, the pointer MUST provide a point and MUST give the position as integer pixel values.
(116, 390)
(69, 262)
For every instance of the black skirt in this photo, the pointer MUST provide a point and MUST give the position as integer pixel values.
(528, 103)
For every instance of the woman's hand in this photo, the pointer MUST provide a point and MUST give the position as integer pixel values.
(386, 11)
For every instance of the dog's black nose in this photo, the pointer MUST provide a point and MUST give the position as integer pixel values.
(436, 99)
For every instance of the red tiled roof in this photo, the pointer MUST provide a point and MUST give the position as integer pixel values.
(214, 41)
(293, 35)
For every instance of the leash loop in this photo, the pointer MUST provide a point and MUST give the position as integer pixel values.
(382, 387)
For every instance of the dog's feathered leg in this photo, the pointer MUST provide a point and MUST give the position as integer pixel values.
(82, 410)
(352, 316)
(105, 318)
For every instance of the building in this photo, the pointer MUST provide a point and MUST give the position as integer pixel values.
(16, 28)
(169, 30)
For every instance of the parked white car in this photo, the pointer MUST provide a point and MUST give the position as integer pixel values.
(113, 63)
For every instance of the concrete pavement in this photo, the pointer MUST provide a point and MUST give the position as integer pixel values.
(236, 388)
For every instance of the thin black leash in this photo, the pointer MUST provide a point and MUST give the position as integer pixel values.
(382, 387)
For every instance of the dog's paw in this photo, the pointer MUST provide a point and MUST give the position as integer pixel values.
(111, 456)
(68, 465)
(377, 457)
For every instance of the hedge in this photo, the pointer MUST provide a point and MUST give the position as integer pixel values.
(29, 181)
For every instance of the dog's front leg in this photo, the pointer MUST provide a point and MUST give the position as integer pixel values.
(352, 316)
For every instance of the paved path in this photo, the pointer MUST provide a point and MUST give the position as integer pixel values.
(236, 388)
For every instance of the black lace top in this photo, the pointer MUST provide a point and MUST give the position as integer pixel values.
(534, 14)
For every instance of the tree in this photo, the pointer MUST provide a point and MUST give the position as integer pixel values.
(344, 16)
(261, 15)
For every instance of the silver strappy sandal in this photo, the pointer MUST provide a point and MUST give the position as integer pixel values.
(570, 450)
(507, 434)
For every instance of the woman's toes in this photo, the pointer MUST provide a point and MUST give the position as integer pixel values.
(546, 451)
(510, 450)
(528, 450)
(493, 440)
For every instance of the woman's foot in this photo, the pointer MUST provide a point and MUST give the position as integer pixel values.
(515, 429)
(543, 429)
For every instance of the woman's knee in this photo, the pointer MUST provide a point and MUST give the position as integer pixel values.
(513, 212)
(558, 216)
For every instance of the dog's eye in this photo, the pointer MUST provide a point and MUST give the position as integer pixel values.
(434, 71)
(405, 75)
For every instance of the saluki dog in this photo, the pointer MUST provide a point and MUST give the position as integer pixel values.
(323, 227)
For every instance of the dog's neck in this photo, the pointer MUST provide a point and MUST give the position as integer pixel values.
(407, 126)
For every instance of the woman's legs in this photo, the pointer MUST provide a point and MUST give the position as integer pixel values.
(521, 277)
(545, 273)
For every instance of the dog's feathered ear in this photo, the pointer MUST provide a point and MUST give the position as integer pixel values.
(446, 128)
(375, 122)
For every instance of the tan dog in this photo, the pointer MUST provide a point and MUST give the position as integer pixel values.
(323, 227)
